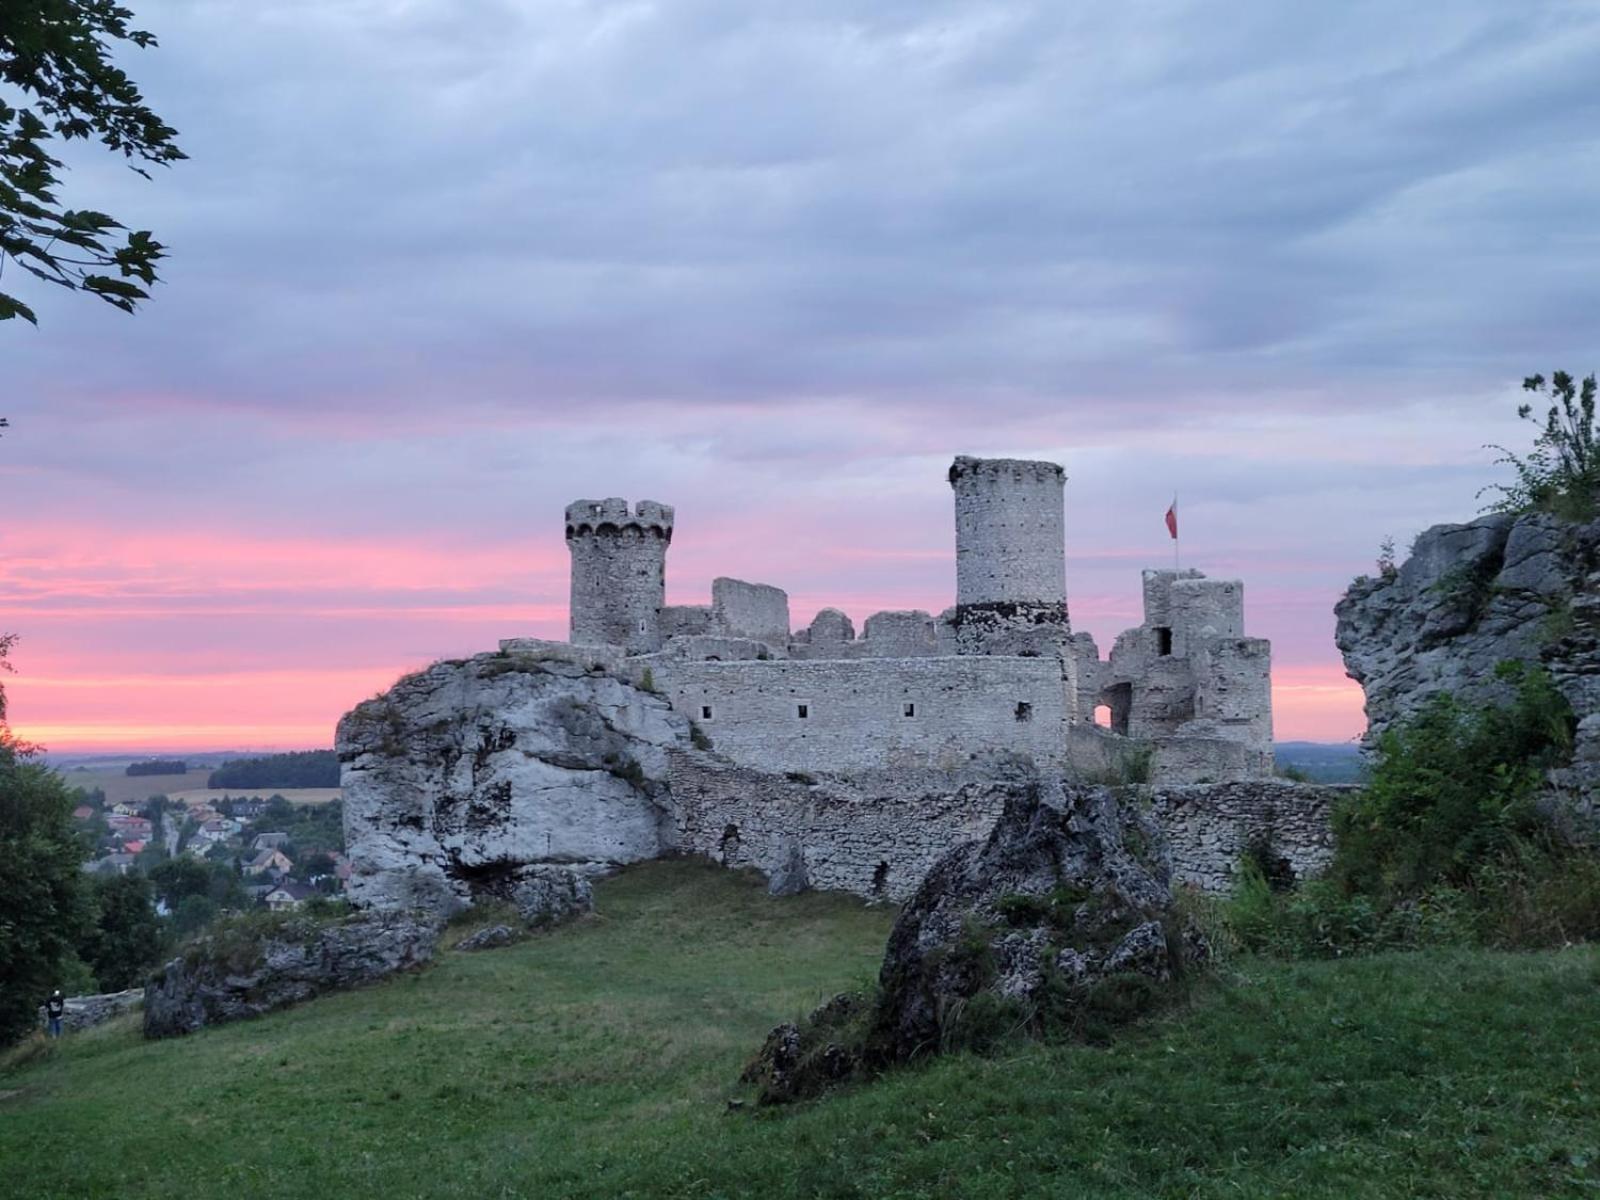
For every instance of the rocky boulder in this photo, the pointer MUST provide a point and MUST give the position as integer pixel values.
(462, 775)
(258, 966)
(491, 938)
(1501, 588)
(1066, 893)
(1061, 919)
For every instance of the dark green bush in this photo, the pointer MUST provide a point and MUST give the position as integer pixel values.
(1446, 845)
(1451, 791)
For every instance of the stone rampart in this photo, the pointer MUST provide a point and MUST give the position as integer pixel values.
(876, 833)
(843, 715)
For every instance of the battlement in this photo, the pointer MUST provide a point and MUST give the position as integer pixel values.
(613, 515)
(1018, 470)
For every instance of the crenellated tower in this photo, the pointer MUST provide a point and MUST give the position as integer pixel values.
(619, 572)
(1011, 572)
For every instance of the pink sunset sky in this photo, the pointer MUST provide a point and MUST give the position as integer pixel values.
(439, 268)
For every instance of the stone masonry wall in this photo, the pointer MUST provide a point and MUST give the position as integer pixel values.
(856, 712)
(750, 610)
(1210, 827)
(877, 833)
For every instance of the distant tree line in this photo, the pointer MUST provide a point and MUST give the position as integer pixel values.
(158, 766)
(297, 769)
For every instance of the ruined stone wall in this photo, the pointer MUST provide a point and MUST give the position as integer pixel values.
(619, 572)
(899, 633)
(713, 648)
(856, 711)
(750, 610)
(1205, 608)
(875, 835)
(1233, 691)
(1209, 828)
(685, 620)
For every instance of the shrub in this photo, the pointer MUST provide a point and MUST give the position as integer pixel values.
(1451, 790)
(1561, 474)
(1447, 845)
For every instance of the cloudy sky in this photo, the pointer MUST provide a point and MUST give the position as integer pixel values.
(440, 266)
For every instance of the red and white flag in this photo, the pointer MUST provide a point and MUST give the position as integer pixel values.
(1172, 519)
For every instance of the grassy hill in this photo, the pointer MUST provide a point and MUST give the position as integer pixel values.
(598, 1061)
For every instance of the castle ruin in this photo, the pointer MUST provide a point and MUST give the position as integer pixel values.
(1186, 694)
(821, 757)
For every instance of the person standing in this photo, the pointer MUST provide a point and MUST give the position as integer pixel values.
(54, 1009)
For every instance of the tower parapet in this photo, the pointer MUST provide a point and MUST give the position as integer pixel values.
(619, 571)
(1011, 573)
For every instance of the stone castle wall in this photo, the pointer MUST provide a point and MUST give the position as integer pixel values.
(861, 715)
(750, 610)
(1210, 828)
(876, 833)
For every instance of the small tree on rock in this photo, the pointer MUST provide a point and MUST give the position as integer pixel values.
(1561, 474)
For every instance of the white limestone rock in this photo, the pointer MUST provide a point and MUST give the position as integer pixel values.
(1500, 588)
(461, 775)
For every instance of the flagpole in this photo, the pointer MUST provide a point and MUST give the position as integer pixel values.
(1176, 562)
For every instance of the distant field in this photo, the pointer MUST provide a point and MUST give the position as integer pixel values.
(292, 795)
(186, 788)
(119, 787)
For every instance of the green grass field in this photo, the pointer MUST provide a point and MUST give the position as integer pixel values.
(599, 1060)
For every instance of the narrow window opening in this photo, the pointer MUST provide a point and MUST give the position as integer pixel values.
(705, 712)
(1163, 641)
(880, 879)
(1024, 711)
(911, 710)
(1102, 716)
(802, 711)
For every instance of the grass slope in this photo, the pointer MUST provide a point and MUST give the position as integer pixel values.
(597, 1060)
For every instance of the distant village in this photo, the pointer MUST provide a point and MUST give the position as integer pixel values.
(285, 853)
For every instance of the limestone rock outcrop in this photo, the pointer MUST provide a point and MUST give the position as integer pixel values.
(1066, 900)
(1500, 588)
(1067, 891)
(461, 776)
(241, 973)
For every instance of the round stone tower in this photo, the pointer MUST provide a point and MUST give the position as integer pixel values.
(619, 572)
(1011, 568)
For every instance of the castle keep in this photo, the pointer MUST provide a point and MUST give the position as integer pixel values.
(1000, 670)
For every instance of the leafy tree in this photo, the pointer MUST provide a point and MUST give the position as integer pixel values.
(43, 899)
(194, 913)
(56, 69)
(125, 938)
(1561, 473)
(178, 878)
